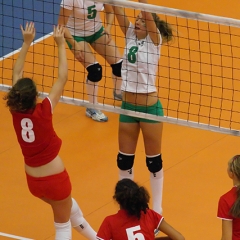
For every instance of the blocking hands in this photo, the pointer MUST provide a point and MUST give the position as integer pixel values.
(58, 34)
(28, 33)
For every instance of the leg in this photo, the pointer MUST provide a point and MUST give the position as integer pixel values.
(61, 212)
(111, 54)
(94, 76)
(79, 223)
(127, 137)
(152, 134)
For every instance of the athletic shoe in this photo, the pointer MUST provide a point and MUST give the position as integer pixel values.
(96, 115)
(116, 96)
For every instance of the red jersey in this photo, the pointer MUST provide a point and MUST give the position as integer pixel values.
(226, 201)
(121, 226)
(35, 134)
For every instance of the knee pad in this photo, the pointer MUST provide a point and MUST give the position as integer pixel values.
(76, 216)
(154, 164)
(125, 162)
(116, 68)
(94, 72)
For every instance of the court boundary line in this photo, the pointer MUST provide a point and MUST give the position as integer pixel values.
(14, 236)
(33, 43)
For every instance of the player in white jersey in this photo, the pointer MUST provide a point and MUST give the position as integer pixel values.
(85, 28)
(140, 62)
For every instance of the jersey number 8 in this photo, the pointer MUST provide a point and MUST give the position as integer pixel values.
(27, 132)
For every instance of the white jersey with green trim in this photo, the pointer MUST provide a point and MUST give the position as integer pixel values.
(85, 18)
(140, 63)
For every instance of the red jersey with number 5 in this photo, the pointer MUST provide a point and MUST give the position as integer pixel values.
(35, 134)
(121, 226)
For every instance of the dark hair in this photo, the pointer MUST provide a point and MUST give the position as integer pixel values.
(164, 28)
(234, 167)
(131, 197)
(22, 96)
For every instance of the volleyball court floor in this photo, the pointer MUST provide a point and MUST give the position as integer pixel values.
(195, 163)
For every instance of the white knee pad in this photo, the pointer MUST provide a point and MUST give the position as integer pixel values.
(63, 231)
(76, 216)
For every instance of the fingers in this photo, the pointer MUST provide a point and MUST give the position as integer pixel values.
(58, 30)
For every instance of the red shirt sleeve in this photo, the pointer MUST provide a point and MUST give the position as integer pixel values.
(104, 232)
(223, 209)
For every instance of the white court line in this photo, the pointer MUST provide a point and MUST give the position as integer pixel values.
(14, 236)
(18, 50)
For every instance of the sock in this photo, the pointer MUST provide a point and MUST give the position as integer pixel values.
(156, 182)
(117, 83)
(79, 223)
(92, 91)
(63, 231)
(126, 174)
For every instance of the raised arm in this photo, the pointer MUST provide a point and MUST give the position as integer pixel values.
(151, 25)
(57, 89)
(122, 18)
(28, 36)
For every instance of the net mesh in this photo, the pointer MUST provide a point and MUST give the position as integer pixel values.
(198, 78)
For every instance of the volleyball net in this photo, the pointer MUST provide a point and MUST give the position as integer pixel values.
(198, 78)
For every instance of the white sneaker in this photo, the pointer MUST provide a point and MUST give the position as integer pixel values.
(96, 115)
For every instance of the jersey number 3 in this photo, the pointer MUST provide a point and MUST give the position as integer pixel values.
(134, 236)
(27, 132)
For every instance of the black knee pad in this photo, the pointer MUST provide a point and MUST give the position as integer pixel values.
(154, 164)
(125, 162)
(94, 72)
(116, 69)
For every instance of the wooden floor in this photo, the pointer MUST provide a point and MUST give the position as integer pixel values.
(195, 163)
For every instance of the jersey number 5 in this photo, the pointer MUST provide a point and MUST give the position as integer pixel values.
(92, 12)
(134, 236)
(27, 132)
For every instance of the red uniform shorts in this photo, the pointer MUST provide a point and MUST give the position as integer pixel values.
(55, 187)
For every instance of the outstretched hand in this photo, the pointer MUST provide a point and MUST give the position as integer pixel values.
(58, 34)
(28, 33)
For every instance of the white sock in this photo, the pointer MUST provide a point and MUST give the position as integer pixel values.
(156, 181)
(63, 231)
(92, 91)
(79, 223)
(126, 174)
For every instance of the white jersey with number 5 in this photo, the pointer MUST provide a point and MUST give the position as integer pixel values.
(85, 19)
(140, 63)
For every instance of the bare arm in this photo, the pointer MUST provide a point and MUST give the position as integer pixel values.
(151, 26)
(122, 19)
(109, 15)
(226, 230)
(62, 21)
(28, 36)
(58, 86)
(172, 233)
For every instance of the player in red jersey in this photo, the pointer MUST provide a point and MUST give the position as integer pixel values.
(134, 220)
(46, 175)
(229, 203)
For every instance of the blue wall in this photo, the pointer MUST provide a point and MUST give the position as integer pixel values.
(44, 13)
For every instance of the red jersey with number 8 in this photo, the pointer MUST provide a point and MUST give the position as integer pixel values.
(35, 134)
